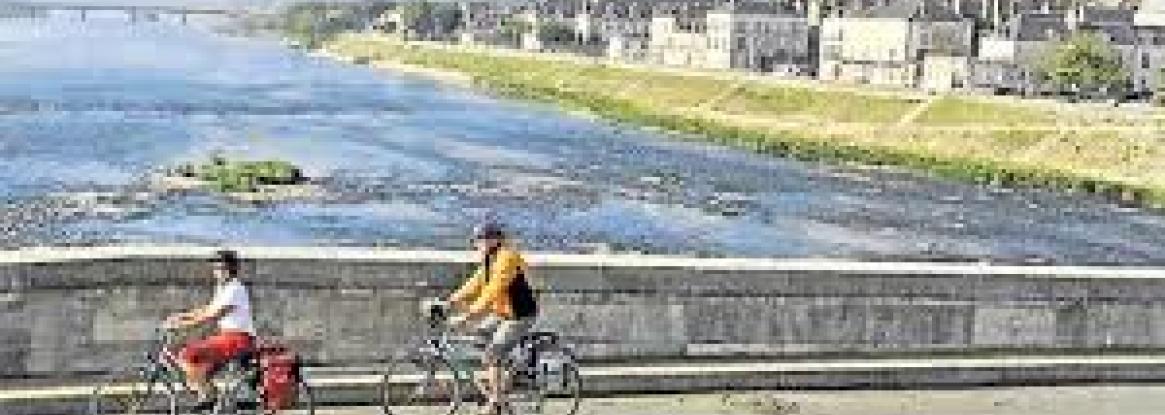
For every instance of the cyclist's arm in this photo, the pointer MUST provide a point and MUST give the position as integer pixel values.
(505, 270)
(202, 315)
(469, 290)
(221, 305)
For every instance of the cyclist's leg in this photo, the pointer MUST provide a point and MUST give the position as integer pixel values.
(485, 331)
(200, 358)
(196, 360)
(507, 336)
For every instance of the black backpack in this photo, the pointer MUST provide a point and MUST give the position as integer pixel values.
(522, 297)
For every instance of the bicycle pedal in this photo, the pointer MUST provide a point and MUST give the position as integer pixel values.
(246, 406)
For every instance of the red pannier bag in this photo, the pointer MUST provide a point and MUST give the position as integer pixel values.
(278, 364)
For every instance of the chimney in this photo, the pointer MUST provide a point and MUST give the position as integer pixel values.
(996, 13)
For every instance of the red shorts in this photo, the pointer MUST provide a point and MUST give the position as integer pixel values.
(215, 349)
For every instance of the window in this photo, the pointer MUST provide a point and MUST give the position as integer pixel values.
(1145, 60)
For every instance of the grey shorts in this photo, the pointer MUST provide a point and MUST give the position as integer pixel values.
(500, 335)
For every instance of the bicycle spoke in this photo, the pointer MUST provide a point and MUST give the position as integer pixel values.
(425, 385)
(127, 393)
(559, 383)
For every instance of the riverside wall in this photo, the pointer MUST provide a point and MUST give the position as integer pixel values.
(68, 311)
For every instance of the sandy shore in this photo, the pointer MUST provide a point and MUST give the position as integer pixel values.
(443, 76)
(438, 75)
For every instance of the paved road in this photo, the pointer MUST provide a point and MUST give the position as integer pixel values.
(1090, 400)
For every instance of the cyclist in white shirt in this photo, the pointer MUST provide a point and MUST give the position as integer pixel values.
(231, 310)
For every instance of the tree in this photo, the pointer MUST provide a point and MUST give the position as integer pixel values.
(311, 24)
(1086, 65)
(556, 33)
(428, 19)
(512, 29)
(413, 16)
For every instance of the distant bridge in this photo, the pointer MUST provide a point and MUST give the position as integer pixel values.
(134, 12)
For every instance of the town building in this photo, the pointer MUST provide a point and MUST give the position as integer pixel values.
(678, 35)
(1009, 58)
(908, 43)
(759, 36)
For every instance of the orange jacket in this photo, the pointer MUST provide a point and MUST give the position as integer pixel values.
(492, 293)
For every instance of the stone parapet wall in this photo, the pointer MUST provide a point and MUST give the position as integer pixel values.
(67, 311)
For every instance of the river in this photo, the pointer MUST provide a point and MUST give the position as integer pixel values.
(88, 108)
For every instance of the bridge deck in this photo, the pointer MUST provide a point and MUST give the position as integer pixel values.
(114, 7)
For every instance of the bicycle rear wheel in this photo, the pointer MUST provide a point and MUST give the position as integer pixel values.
(244, 396)
(556, 388)
(420, 384)
(304, 402)
(129, 393)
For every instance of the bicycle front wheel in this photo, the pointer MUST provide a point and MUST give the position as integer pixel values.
(420, 384)
(129, 394)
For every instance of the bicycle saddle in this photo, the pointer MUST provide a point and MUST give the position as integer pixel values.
(243, 361)
(540, 338)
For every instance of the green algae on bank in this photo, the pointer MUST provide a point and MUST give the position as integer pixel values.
(1001, 144)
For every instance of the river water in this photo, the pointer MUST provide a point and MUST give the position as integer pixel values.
(87, 108)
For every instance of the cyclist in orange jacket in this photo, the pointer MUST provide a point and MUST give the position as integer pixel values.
(500, 299)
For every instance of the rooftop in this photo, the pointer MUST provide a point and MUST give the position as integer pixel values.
(1034, 27)
(759, 7)
(930, 10)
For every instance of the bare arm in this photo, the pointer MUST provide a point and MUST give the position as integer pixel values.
(201, 315)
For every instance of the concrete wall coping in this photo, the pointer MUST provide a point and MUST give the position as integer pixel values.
(64, 254)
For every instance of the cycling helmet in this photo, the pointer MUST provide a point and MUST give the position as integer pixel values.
(488, 230)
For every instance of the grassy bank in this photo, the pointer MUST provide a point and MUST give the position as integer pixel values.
(951, 137)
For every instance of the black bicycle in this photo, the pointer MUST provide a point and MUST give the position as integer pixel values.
(436, 374)
(158, 386)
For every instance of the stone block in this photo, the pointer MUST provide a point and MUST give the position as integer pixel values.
(1014, 326)
(15, 348)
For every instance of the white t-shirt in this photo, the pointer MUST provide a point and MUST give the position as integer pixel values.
(234, 293)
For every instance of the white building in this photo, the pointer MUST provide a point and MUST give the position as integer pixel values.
(1149, 59)
(617, 29)
(678, 41)
(765, 37)
(890, 45)
(628, 48)
(481, 21)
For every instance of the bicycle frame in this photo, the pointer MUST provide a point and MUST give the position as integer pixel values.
(162, 364)
(441, 349)
(455, 349)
